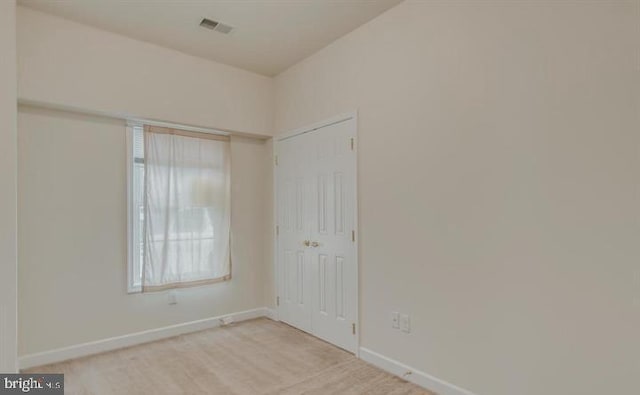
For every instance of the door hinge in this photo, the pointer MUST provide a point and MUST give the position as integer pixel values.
(353, 328)
(277, 301)
(353, 236)
(277, 230)
(276, 160)
(352, 144)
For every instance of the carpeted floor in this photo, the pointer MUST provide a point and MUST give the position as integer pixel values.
(252, 357)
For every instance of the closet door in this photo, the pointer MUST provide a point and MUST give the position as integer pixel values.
(294, 228)
(316, 195)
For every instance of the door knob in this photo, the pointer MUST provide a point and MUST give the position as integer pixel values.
(314, 244)
(306, 243)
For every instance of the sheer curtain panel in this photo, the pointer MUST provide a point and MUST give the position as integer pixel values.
(187, 216)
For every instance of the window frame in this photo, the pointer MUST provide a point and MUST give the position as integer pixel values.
(133, 287)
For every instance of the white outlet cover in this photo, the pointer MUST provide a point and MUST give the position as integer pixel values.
(172, 298)
(405, 324)
(395, 320)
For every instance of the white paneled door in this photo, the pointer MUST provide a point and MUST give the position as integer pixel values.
(316, 232)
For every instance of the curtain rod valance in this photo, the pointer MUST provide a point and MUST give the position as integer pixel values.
(185, 133)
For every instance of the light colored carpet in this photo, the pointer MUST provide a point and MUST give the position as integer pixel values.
(252, 357)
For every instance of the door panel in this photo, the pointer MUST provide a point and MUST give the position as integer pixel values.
(293, 223)
(336, 283)
(322, 167)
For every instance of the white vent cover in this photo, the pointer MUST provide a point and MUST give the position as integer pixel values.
(216, 26)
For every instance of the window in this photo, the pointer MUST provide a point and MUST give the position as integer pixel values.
(179, 216)
(135, 139)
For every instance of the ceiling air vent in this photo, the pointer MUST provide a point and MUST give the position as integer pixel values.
(216, 26)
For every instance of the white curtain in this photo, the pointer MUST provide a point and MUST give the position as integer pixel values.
(187, 209)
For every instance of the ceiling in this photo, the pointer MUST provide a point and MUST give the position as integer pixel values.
(268, 36)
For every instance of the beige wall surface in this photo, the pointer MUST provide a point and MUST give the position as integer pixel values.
(72, 236)
(499, 187)
(64, 63)
(269, 231)
(8, 187)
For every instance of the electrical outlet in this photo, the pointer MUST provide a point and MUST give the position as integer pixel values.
(172, 298)
(224, 321)
(405, 324)
(395, 320)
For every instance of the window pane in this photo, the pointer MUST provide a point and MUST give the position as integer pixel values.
(138, 142)
(138, 206)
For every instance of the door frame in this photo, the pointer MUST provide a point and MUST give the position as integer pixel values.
(353, 115)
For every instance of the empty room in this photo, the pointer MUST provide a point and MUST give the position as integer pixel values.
(320, 197)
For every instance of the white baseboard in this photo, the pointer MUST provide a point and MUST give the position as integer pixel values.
(271, 314)
(408, 373)
(417, 377)
(113, 343)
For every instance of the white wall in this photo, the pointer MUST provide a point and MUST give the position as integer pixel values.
(8, 162)
(499, 187)
(72, 236)
(72, 179)
(64, 63)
